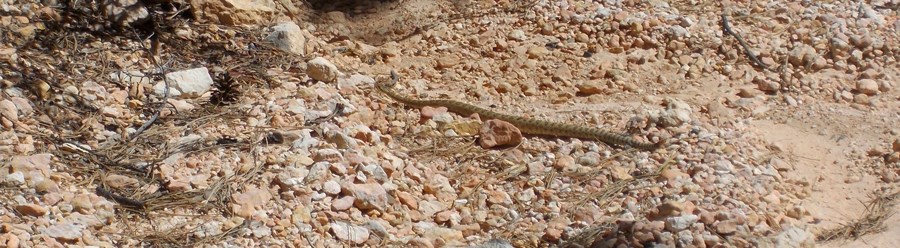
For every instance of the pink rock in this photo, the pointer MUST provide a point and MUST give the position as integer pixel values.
(496, 133)
(247, 202)
(31, 166)
(32, 210)
(428, 112)
(369, 196)
(343, 203)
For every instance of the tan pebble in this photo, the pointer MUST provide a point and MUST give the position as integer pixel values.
(748, 93)
(419, 242)
(343, 203)
(867, 86)
(726, 227)
(82, 204)
(536, 52)
(447, 61)
(582, 37)
(499, 197)
(590, 88)
(861, 99)
(408, 200)
(32, 210)
(47, 186)
(443, 216)
(9, 240)
(670, 208)
(631, 87)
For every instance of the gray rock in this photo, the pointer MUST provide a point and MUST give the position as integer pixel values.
(190, 83)
(323, 70)
(288, 37)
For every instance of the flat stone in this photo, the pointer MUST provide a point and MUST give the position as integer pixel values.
(347, 232)
(32, 210)
(323, 70)
(497, 133)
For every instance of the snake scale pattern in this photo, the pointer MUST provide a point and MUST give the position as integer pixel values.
(526, 125)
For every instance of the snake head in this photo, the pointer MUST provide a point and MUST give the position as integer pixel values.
(387, 84)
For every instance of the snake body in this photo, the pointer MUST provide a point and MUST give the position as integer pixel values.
(526, 125)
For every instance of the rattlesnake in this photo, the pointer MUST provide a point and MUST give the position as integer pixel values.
(526, 125)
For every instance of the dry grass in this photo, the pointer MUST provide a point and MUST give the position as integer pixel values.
(879, 209)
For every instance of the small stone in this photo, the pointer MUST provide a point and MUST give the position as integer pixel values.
(9, 240)
(343, 203)
(117, 181)
(419, 242)
(678, 223)
(497, 133)
(33, 166)
(861, 99)
(288, 37)
(790, 101)
(408, 200)
(369, 196)
(517, 35)
(446, 234)
(82, 204)
(181, 105)
(536, 52)
(552, 234)
(16, 178)
(65, 232)
(727, 227)
(867, 86)
(590, 88)
(347, 232)
(748, 93)
(323, 70)
(428, 112)
(794, 237)
(32, 210)
(896, 145)
(189, 83)
(331, 187)
(8, 110)
(447, 61)
(246, 203)
(670, 208)
(499, 197)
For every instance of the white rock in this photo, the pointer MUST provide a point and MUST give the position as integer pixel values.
(185, 84)
(347, 232)
(296, 106)
(17, 178)
(867, 86)
(323, 70)
(288, 37)
(331, 187)
(8, 110)
(794, 237)
(260, 229)
(68, 231)
(517, 35)
(678, 223)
